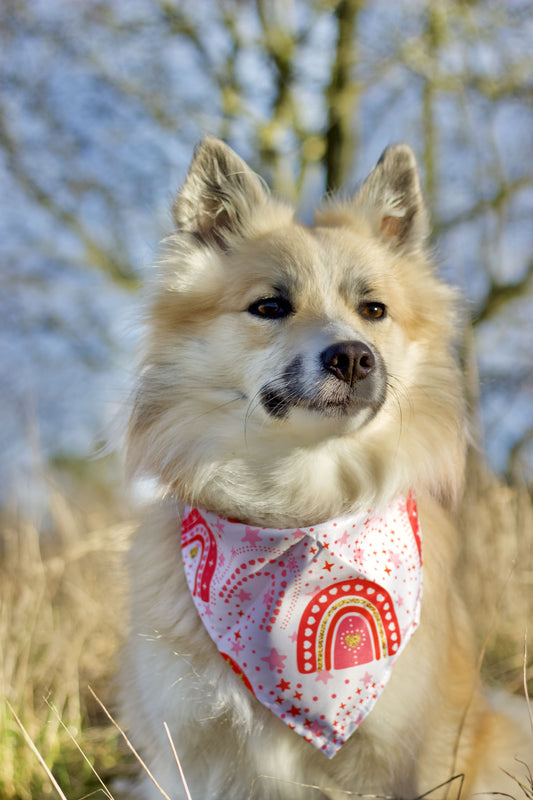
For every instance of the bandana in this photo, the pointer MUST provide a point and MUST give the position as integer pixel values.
(311, 619)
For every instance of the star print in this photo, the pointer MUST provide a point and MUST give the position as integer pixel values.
(344, 538)
(275, 659)
(243, 596)
(367, 678)
(283, 685)
(358, 553)
(236, 648)
(317, 729)
(324, 676)
(220, 525)
(251, 536)
(327, 566)
(297, 695)
(395, 558)
(295, 712)
(293, 637)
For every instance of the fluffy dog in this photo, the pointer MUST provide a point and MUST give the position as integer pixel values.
(297, 380)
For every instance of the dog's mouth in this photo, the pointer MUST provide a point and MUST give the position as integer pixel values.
(278, 402)
(352, 377)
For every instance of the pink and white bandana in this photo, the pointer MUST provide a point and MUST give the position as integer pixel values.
(311, 619)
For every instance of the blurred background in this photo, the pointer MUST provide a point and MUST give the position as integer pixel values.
(101, 105)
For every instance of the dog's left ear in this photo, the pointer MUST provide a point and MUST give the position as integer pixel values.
(219, 195)
(391, 198)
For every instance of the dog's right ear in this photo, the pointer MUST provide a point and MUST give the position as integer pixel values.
(391, 198)
(219, 195)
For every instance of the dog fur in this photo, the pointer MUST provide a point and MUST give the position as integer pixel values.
(236, 411)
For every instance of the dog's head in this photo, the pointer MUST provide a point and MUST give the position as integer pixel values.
(308, 367)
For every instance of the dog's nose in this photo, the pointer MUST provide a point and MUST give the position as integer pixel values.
(349, 361)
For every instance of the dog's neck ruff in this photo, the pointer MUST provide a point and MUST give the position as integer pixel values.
(311, 619)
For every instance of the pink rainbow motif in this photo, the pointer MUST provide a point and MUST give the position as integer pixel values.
(347, 624)
(196, 532)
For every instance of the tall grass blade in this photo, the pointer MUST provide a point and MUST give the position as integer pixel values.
(33, 748)
(130, 745)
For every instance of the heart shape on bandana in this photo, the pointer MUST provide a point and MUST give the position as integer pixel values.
(311, 619)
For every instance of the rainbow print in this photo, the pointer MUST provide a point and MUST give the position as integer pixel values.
(197, 536)
(347, 624)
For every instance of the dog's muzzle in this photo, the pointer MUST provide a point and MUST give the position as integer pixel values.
(351, 376)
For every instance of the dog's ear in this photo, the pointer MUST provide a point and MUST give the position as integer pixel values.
(219, 195)
(392, 199)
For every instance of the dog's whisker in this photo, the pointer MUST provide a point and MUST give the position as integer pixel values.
(217, 408)
(254, 403)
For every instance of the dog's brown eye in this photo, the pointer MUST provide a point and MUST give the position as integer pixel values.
(271, 308)
(373, 310)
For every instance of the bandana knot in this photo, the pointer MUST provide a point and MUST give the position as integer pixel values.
(312, 619)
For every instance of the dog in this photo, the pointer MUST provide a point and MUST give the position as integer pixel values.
(295, 620)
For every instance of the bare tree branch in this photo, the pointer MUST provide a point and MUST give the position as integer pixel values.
(501, 295)
(505, 193)
(342, 96)
(97, 255)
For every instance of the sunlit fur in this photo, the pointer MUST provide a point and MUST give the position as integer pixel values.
(198, 425)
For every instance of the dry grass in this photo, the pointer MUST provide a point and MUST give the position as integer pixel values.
(61, 620)
(496, 572)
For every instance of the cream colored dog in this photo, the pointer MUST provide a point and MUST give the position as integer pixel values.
(294, 375)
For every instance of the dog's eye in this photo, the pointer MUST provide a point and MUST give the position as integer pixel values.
(271, 308)
(373, 310)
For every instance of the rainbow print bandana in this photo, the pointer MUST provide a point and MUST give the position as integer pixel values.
(311, 619)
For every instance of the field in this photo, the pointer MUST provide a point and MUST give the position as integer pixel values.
(62, 618)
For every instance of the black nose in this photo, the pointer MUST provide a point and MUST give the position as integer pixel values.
(349, 361)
